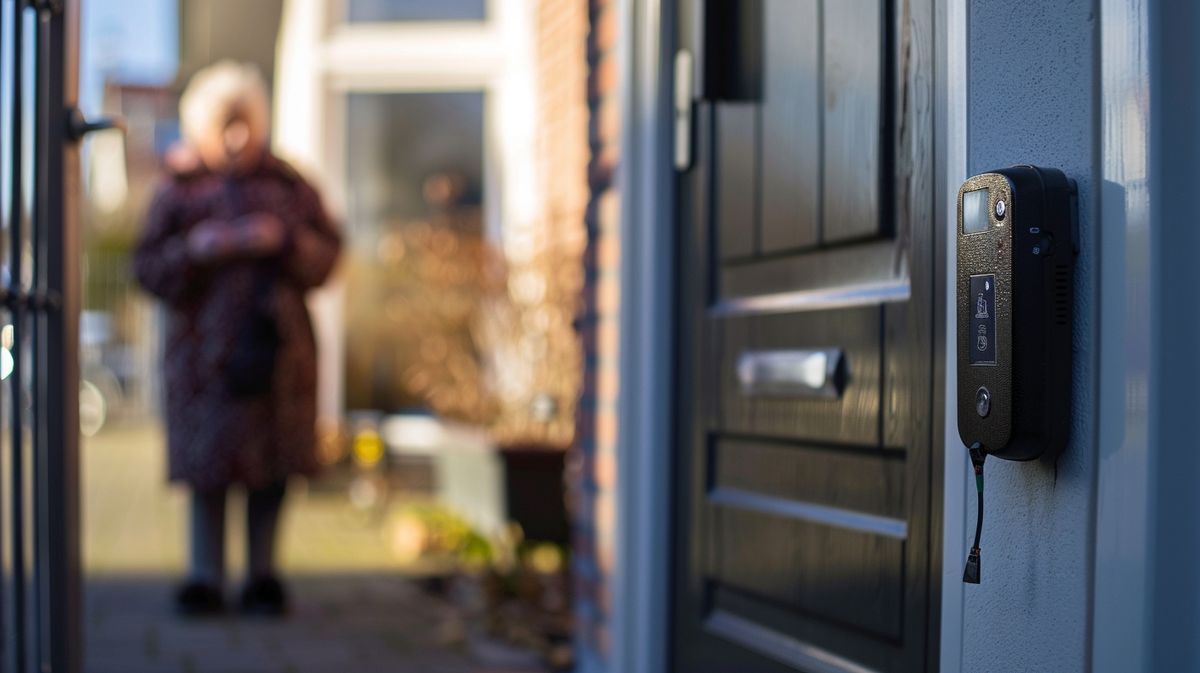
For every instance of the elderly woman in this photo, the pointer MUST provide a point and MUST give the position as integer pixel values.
(233, 240)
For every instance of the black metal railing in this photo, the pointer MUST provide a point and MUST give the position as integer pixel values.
(39, 296)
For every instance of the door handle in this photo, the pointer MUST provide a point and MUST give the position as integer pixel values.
(79, 125)
(792, 373)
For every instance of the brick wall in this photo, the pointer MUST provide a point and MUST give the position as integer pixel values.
(592, 471)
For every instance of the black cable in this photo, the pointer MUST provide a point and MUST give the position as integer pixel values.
(978, 518)
(971, 571)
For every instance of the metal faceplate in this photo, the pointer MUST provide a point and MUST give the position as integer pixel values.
(987, 256)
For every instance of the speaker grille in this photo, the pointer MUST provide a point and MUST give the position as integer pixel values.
(1062, 293)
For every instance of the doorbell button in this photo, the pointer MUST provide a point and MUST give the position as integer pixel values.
(983, 402)
(1044, 246)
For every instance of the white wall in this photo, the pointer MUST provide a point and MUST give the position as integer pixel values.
(1031, 98)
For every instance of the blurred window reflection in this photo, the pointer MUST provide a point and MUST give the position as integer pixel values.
(415, 264)
(397, 143)
(416, 10)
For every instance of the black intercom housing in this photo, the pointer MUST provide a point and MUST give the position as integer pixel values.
(1017, 243)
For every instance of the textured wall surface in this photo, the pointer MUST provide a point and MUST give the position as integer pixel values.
(1032, 99)
(592, 468)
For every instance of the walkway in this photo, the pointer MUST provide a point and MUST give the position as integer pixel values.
(355, 608)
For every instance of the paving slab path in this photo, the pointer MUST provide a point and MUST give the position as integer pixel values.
(355, 607)
(363, 623)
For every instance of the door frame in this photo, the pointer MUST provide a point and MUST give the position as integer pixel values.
(645, 408)
(950, 137)
(1122, 582)
(1146, 502)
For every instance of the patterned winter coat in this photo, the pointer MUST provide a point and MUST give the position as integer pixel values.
(216, 438)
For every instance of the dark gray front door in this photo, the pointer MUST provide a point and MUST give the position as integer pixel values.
(804, 492)
(39, 383)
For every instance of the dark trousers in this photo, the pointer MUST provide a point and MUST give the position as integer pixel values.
(207, 561)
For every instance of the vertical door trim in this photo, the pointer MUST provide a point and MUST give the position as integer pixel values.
(1144, 611)
(1121, 638)
(641, 585)
(1174, 364)
(951, 139)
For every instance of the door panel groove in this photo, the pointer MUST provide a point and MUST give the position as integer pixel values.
(832, 576)
(847, 296)
(824, 515)
(882, 452)
(802, 625)
(784, 253)
(868, 263)
(778, 646)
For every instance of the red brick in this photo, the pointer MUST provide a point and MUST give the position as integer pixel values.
(605, 468)
(599, 121)
(604, 77)
(605, 29)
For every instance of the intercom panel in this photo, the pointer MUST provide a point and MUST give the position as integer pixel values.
(1017, 243)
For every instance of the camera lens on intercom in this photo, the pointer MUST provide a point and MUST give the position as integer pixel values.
(983, 402)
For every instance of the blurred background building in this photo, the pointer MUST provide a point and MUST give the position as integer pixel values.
(451, 140)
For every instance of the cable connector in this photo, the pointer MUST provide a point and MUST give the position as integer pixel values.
(971, 572)
(972, 569)
(978, 455)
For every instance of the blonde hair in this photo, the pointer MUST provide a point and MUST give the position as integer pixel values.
(217, 92)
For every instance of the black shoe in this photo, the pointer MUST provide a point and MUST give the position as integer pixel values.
(197, 599)
(264, 597)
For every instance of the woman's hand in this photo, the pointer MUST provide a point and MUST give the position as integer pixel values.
(210, 241)
(254, 235)
(259, 234)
